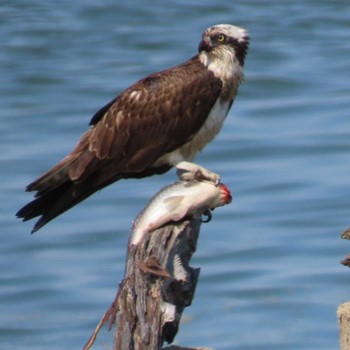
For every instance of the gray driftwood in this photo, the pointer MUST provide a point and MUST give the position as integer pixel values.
(343, 314)
(157, 286)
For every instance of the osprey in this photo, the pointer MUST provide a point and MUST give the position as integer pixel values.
(151, 126)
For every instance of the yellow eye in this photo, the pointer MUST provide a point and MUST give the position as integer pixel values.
(221, 38)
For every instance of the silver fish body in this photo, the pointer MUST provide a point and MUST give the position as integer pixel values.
(176, 201)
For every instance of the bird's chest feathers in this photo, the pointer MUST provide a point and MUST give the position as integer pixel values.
(213, 123)
(205, 134)
(208, 131)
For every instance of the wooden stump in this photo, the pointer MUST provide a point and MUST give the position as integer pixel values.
(158, 281)
(157, 286)
(343, 314)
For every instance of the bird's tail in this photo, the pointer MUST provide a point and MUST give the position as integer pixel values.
(71, 181)
(56, 193)
(52, 203)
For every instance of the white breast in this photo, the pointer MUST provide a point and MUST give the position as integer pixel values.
(206, 133)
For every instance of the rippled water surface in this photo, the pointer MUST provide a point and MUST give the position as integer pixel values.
(270, 273)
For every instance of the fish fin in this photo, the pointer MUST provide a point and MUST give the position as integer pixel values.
(172, 203)
(175, 206)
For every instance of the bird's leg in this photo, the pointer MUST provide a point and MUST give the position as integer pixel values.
(188, 171)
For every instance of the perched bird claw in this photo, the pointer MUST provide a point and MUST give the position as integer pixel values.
(188, 171)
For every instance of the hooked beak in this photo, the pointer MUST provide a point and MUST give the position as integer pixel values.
(205, 45)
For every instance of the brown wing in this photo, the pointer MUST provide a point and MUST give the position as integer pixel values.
(155, 116)
(152, 117)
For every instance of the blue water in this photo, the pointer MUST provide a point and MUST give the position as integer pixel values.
(270, 273)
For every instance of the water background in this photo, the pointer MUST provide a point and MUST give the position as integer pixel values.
(270, 273)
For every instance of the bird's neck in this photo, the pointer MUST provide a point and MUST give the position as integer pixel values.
(225, 66)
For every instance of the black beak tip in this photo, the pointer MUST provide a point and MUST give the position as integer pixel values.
(204, 46)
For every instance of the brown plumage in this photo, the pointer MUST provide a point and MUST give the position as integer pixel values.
(132, 136)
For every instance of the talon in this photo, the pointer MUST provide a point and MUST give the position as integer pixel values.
(207, 213)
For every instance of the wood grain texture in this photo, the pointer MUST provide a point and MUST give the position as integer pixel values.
(158, 285)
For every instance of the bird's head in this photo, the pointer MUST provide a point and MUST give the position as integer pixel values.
(225, 39)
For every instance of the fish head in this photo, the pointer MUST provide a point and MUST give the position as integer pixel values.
(224, 196)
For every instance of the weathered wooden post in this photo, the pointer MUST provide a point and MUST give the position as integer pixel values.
(343, 314)
(158, 282)
(343, 311)
(158, 285)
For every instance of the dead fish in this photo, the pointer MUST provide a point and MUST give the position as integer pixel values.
(176, 201)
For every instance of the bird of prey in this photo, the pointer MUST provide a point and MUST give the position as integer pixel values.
(161, 120)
